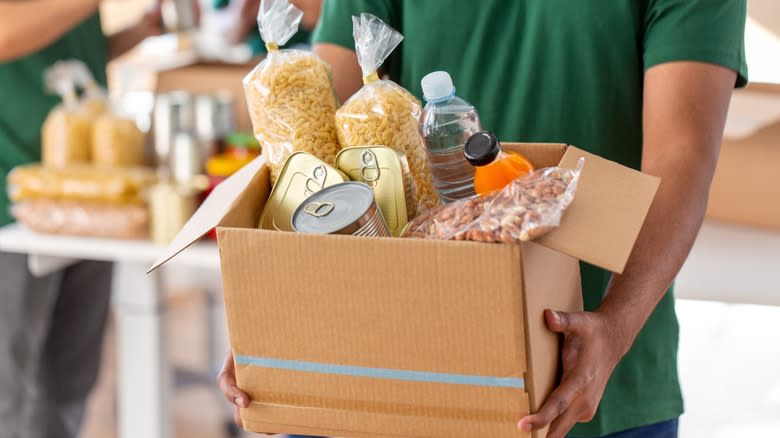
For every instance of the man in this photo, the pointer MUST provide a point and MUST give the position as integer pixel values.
(644, 83)
(51, 327)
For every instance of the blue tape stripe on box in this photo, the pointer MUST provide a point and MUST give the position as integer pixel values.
(382, 373)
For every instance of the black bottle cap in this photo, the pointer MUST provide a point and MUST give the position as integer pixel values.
(482, 148)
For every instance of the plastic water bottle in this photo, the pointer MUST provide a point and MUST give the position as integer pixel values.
(447, 121)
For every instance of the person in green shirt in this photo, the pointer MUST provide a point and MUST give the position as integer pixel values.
(645, 83)
(245, 28)
(50, 327)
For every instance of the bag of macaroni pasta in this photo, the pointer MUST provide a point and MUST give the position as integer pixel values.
(383, 112)
(94, 99)
(291, 100)
(66, 135)
(117, 141)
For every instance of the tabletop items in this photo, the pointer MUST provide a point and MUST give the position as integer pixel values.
(102, 176)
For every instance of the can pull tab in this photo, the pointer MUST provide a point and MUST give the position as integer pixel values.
(369, 168)
(316, 180)
(319, 209)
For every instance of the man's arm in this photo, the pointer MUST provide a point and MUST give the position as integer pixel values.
(346, 73)
(28, 26)
(150, 24)
(685, 106)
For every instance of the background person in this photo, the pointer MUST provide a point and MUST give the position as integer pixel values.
(50, 327)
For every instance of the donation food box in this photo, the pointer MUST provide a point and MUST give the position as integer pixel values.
(379, 337)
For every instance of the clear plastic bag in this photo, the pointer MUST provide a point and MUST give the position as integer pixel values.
(66, 134)
(80, 183)
(84, 219)
(94, 101)
(383, 112)
(290, 96)
(117, 142)
(528, 208)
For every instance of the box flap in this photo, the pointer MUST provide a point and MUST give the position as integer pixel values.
(609, 208)
(219, 208)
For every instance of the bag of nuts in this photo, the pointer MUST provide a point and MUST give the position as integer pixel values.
(529, 207)
(383, 112)
(291, 100)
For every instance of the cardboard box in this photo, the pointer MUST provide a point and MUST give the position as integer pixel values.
(355, 337)
(746, 184)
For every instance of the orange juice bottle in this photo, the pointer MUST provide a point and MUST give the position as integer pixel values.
(493, 168)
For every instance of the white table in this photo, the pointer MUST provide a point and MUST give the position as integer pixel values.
(727, 263)
(144, 374)
(732, 264)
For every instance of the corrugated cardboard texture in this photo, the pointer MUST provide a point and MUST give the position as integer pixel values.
(210, 78)
(553, 282)
(456, 308)
(746, 187)
(443, 307)
(609, 208)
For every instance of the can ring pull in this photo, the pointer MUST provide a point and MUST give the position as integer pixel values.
(369, 169)
(316, 180)
(319, 209)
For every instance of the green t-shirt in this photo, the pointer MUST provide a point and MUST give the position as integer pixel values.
(566, 71)
(26, 102)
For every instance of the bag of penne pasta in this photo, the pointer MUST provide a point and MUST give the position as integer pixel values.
(383, 112)
(290, 95)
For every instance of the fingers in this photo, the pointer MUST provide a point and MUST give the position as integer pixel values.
(563, 424)
(226, 381)
(565, 322)
(559, 402)
(237, 417)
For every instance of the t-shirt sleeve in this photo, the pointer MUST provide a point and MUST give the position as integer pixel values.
(711, 31)
(335, 24)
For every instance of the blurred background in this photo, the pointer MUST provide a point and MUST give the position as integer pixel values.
(728, 294)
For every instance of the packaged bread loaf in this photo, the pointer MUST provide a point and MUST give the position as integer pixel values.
(382, 112)
(289, 94)
(80, 183)
(80, 218)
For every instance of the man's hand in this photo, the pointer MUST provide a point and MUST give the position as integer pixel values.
(245, 21)
(684, 110)
(226, 380)
(591, 349)
(150, 24)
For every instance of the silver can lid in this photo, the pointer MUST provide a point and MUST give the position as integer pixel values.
(334, 210)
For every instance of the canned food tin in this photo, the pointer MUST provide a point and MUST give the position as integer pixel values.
(173, 113)
(186, 160)
(386, 171)
(302, 175)
(345, 208)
